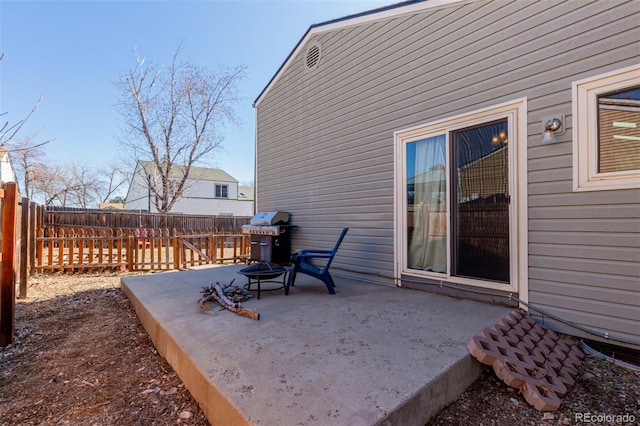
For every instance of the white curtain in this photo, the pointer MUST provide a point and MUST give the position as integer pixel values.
(428, 247)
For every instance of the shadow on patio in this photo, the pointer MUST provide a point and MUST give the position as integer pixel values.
(370, 354)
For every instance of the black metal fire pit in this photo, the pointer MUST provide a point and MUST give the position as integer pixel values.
(264, 271)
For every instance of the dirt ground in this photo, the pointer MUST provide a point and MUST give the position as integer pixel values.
(81, 357)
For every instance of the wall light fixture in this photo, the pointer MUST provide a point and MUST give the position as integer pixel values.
(553, 126)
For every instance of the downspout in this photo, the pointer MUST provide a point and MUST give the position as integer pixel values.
(255, 159)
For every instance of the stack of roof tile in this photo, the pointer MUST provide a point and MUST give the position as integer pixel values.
(529, 356)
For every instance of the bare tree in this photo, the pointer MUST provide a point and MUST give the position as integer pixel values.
(111, 178)
(27, 158)
(83, 186)
(71, 185)
(9, 132)
(173, 117)
(50, 184)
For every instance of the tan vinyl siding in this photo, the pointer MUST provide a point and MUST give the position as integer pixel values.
(325, 138)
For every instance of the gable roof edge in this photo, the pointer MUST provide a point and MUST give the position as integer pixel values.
(384, 12)
(212, 174)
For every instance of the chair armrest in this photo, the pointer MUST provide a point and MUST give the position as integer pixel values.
(314, 256)
(305, 258)
(307, 255)
(314, 251)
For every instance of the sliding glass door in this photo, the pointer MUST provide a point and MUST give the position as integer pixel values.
(457, 205)
(480, 202)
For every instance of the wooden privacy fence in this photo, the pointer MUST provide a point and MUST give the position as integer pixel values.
(116, 219)
(62, 249)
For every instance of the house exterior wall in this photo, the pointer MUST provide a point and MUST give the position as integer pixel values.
(7, 173)
(137, 197)
(213, 206)
(198, 198)
(324, 148)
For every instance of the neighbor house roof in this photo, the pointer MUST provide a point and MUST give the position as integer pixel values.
(200, 173)
(349, 20)
(246, 193)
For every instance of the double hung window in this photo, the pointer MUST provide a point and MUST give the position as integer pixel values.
(606, 138)
(222, 191)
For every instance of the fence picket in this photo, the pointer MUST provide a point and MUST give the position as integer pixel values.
(120, 245)
(91, 242)
(61, 244)
(81, 241)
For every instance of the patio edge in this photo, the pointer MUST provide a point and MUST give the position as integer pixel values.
(216, 406)
(436, 395)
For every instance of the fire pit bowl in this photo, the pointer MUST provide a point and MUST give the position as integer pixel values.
(262, 270)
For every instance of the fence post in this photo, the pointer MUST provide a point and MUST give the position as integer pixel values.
(39, 247)
(33, 213)
(167, 246)
(7, 270)
(130, 251)
(150, 242)
(214, 246)
(23, 266)
(176, 250)
(222, 241)
(109, 234)
(119, 235)
(235, 246)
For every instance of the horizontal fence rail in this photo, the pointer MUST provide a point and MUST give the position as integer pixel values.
(69, 249)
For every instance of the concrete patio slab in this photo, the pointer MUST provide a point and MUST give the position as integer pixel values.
(368, 355)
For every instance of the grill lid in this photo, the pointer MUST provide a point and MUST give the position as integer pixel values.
(269, 218)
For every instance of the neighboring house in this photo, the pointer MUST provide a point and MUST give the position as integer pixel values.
(207, 191)
(422, 126)
(7, 174)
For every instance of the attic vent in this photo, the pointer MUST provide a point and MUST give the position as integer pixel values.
(312, 58)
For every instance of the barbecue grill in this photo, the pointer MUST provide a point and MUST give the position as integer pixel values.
(270, 237)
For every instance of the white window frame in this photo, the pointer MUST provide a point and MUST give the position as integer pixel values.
(585, 135)
(516, 112)
(222, 187)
